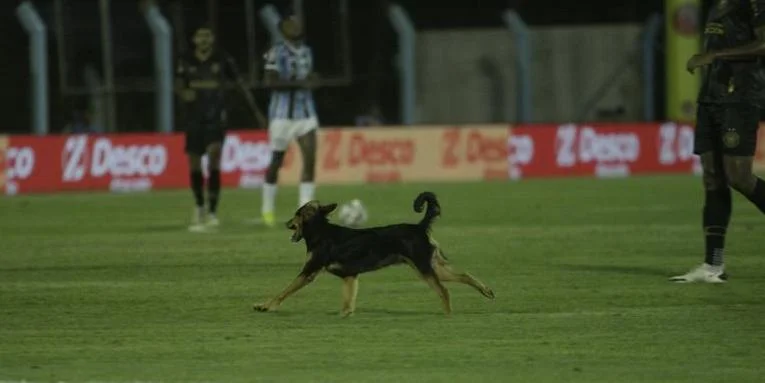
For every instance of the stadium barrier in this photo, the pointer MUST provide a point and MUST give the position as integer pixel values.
(601, 150)
(135, 162)
(3, 168)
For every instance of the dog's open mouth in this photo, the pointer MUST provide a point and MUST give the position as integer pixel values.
(296, 235)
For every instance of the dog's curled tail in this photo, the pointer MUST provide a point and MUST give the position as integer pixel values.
(433, 210)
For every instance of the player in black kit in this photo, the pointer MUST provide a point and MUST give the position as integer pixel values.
(203, 74)
(730, 99)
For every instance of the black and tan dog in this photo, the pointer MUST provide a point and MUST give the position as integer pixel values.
(347, 252)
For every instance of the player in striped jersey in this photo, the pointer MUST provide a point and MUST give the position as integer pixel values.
(292, 113)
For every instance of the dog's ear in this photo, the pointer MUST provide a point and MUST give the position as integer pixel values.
(326, 209)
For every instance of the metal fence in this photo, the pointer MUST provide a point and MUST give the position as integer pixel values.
(105, 51)
(109, 55)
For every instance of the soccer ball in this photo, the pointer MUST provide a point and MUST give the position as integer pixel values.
(353, 214)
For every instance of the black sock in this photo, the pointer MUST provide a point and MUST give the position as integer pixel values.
(758, 195)
(717, 211)
(197, 185)
(213, 190)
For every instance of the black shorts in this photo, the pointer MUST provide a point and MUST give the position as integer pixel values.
(205, 129)
(730, 129)
(200, 136)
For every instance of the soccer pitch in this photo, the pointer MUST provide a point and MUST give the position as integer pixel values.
(111, 288)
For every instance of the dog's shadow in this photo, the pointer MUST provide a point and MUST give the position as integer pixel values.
(632, 270)
(159, 228)
(388, 312)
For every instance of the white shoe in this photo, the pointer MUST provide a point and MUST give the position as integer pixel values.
(705, 273)
(197, 220)
(212, 221)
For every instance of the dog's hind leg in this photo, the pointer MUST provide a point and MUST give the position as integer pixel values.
(442, 292)
(427, 273)
(350, 289)
(446, 273)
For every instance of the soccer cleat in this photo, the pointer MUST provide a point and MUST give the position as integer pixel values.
(197, 220)
(212, 221)
(269, 219)
(705, 274)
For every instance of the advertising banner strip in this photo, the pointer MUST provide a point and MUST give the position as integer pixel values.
(601, 150)
(404, 154)
(3, 168)
(140, 162)
(759, 157)
(137, 162)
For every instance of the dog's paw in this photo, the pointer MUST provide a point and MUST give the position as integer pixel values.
(263, 307)
(488, 293)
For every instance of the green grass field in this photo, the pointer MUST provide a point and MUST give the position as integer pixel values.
(111, 288)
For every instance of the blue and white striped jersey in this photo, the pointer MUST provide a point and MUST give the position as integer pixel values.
(292, 63)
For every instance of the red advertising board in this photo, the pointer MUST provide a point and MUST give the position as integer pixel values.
(408, 154)
(601, 150)
(3, 168)
(759, 157)
(134, 162)
(130, 162)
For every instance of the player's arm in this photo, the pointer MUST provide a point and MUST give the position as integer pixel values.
(749, 50)
(244, 90)
(755, 48)
(182, 84)
(272, 80)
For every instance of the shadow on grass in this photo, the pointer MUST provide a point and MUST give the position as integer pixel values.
(161, 228)
(143, 267)
(393, 312)
(632, 270)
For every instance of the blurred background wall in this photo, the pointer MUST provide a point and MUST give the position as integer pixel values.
(586, 59)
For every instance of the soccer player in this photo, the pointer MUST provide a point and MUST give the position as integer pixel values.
(202, 75)
(732, 93)
(292, 113)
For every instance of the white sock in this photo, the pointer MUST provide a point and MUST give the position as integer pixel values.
(306, 192)
(269, 198)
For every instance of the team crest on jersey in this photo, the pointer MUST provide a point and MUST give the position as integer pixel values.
(215, 68)
(714, 29)
(731, 139)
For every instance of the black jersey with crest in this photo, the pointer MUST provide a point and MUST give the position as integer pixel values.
(730, 24)
(208, 79)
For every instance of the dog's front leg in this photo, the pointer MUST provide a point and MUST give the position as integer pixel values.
(301, 281)
(350, 289)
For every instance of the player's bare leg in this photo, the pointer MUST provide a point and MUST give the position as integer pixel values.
(270, 188)
(307, 144)
(197, 188)
(213, 182)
